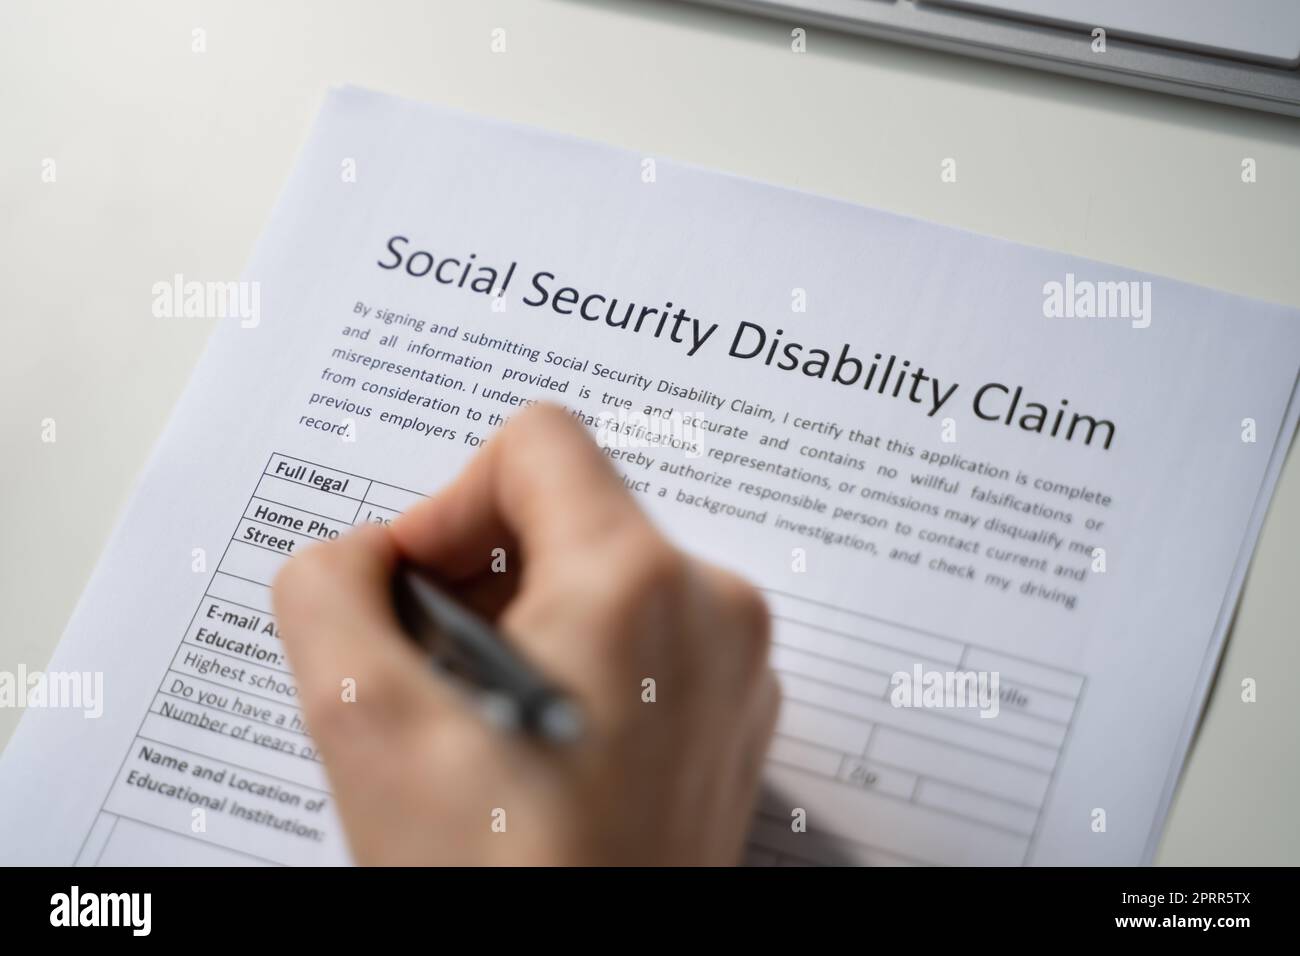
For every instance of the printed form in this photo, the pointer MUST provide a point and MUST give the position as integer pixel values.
(953, 464)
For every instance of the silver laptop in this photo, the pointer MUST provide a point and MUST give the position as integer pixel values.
(1242, 52)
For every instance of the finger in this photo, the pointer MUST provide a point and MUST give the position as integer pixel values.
(360, 678)
(541, 481)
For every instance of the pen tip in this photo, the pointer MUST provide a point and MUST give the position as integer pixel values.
(560, 721)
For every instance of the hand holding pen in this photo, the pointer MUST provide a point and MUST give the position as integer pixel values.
(657, 662)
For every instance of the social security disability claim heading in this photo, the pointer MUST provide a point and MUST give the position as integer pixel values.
(879, 374)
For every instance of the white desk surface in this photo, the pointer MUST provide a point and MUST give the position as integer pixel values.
(168, 161)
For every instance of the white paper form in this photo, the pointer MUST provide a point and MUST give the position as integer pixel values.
(940, 454)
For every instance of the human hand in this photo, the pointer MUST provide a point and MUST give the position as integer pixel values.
(600, 602)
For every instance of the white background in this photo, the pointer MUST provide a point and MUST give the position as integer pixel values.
(168, 161)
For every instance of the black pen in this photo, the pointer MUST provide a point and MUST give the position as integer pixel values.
(463, 644)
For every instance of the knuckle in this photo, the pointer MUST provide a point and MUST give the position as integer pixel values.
(652, 569)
